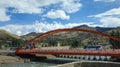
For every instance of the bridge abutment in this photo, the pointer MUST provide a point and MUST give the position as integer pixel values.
(31, 57)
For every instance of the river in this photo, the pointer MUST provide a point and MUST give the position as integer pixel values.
(44, 63)
(31, 64)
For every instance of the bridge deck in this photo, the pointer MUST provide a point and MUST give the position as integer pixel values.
(108, 52)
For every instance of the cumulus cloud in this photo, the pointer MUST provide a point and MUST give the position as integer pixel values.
(17, 29)
(37, 6)
(3, 15)
(71, 6)
(21, 6)
(38, 26)
(57, 14)
(110, 18)
(110, 21)
(105, 0)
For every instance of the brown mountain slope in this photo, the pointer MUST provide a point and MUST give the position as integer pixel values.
(4, 35)
(30, 35)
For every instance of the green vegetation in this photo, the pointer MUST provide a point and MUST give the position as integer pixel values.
(3, 44)
(9, 40)
(13, 43)
(114, 43)
(73, 43)
(17, 42)
(52, 42)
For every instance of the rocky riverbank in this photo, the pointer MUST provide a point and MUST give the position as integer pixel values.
(10, 60)
(91, 64)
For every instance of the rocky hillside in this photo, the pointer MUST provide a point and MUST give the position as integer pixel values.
(30, 35)
(9, 40)
(100, 29)
(5, 35)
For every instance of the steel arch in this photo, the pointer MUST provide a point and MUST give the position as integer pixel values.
(49, 33)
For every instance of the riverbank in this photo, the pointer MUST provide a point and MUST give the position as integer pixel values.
(10, 60)
(91, 64)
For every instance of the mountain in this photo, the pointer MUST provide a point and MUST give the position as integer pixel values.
(114, 29)
(5, 35)
(85, 27)
(103, 29)
(30, 35)
(100, 29)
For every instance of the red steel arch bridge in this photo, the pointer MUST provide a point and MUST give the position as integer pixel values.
(35, 40)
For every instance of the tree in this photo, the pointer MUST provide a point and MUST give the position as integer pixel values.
(1, 44)
(115, 43)
(75, 43)
(52, 42)
(17, 42)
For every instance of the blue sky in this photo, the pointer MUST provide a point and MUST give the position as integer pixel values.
(24, 16)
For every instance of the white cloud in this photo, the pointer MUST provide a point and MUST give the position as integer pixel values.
(3, 16)
(22, 6)
(105, 0)
(36, 6)
(57, 14)
(110, 18)
(40, 27)
(110, 21)
(71, 6)
(17, 29)
(112, 12)
(45, 26)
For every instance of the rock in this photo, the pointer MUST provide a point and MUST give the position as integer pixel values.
(10, 60)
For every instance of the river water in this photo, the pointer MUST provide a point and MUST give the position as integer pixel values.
(31, 64)
(44, 63)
